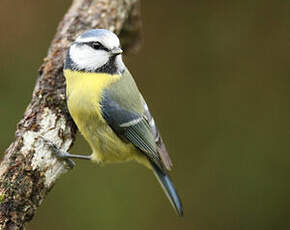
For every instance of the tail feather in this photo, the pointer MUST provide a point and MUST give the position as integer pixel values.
(168, 188)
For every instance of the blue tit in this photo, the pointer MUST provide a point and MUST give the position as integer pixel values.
(109, 110)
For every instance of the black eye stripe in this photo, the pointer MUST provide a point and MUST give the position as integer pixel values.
(97, 46)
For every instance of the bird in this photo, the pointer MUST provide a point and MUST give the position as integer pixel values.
(109, 110)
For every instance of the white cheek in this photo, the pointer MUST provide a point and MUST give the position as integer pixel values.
(87, 58)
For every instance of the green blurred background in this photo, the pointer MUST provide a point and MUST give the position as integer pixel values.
(216, 76)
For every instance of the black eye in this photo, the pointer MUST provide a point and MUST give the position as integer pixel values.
(96, 45)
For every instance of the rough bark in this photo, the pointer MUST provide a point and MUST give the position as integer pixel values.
(29, 168)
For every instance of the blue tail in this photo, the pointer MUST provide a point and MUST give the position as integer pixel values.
(168, 188)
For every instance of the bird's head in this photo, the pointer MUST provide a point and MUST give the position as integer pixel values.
(96, 51)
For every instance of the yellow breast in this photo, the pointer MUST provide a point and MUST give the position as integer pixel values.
(84, 94)
(84, 91)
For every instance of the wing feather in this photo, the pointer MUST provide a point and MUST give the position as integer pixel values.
(127, 113)
(130, 126)
(166, 160)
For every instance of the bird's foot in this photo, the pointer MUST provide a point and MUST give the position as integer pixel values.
(58, 153)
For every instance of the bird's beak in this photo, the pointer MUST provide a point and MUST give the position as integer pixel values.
(116, 51)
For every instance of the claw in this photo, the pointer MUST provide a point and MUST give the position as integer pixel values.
(58, 153)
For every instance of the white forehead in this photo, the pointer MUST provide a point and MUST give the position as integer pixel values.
(106, 37)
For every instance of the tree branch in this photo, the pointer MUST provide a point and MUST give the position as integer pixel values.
(29, 168)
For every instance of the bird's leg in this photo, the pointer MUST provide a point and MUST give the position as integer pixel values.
(65, 155)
